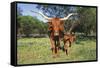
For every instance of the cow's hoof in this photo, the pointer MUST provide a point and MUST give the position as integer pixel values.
(54, 56)
(69, 45)
(67, 54)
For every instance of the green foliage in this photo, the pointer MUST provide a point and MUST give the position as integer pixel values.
(37, 50)
(87, 20)
(28, 25)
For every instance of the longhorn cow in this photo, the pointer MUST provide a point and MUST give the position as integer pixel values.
(56, 29)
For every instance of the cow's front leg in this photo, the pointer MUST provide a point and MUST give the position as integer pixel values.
(57, 47)
(53, 48)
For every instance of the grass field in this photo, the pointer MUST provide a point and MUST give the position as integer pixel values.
(37, 50)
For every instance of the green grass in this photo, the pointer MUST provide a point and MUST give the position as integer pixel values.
(37, 50)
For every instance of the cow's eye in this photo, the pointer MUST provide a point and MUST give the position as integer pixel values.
(49, 22)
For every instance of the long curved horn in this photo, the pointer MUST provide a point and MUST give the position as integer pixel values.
(42, 15)
(74, 25)
(65, 18)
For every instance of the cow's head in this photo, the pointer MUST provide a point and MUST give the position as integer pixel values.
(55, 24)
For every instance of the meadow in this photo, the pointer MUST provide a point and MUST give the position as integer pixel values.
(37, 50)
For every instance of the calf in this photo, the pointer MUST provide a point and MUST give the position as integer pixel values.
(68, 40)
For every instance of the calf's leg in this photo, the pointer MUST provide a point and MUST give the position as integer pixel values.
(66, 47)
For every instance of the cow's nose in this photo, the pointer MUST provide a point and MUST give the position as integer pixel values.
(56, 33)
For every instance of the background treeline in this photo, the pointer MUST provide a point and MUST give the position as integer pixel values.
(84, 23)
(30, 26)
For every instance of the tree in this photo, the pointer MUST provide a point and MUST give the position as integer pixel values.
(31, 25)
(87, 20)
(56, 10)
(19, 13)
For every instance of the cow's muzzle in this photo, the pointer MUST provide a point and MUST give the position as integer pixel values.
(56, 33)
